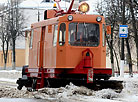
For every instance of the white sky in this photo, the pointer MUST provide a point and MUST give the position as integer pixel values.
(2, 1)
(92, 4)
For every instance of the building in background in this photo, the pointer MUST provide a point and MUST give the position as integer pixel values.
(20, 58)
(33, 11)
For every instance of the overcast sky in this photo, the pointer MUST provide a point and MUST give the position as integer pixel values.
(92, 4)
(2, 1)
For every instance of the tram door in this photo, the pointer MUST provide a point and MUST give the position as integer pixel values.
(62, 46)
(41, 48)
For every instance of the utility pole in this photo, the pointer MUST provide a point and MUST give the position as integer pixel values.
(38, 10)
(38, 15)
(122, 43)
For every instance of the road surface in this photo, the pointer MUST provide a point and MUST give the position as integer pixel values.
(25, 100)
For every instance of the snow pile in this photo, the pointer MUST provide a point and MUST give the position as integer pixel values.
(45, 93)
(62, 92)
(107, 94)
(9, 92)
(71, 93)
(131, 87)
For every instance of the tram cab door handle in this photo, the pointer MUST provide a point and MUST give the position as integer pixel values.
(60, 50)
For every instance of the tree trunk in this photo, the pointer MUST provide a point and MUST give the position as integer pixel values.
(5, 60)
(137, 56)
(111, 55)
(111, 52)
(129, 58)
(5, 57)
(5, 53)
(5, 66)
(134, 28)
(117, 62)
(13, 52)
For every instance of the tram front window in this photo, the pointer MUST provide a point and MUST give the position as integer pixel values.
(83, 34)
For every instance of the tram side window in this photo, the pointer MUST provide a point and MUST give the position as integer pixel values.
(103, 35)
(62, 33)
(55, 35)
(31, 39)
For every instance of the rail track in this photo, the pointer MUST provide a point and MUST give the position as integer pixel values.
(8, 84)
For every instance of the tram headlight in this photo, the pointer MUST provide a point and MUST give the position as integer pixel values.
(70, 17)
(83, 7)
(99, 19)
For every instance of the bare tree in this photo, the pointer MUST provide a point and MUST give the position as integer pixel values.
(11, 28)
(112, 10)
(4, 35)
(15, 24)
(133, 5)
(4, 40)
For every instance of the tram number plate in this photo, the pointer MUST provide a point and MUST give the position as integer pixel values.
(90, 76)
(34, 74)
(50, 70)
(51, 73)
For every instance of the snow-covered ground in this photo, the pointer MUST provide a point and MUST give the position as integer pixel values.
(70, 93)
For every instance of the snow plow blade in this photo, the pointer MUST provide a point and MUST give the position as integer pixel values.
(96, 85)
(112, 84)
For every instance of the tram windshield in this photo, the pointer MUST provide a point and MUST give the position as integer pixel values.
(83, 34)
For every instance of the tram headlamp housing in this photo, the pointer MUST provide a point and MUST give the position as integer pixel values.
(83, 7)
(99, 19)
(70, 17)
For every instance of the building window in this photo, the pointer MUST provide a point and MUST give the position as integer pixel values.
(55, 35)
(1, 58)
(11, 56)
(46, 0)
(7, 57)
(62, 33)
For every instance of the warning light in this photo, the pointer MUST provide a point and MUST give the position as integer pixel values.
(54, 6)
(84, 7)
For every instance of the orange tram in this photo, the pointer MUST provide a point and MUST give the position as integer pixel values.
(67, 47)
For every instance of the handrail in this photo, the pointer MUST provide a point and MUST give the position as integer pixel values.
(38, 52)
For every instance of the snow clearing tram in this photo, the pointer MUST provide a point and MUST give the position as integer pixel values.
(68, 47)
